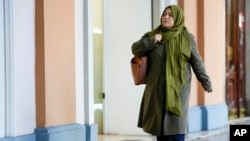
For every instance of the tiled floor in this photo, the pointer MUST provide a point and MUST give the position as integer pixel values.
(215, 135)
(221, 134)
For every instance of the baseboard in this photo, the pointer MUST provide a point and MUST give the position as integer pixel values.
(194, 119)
(207, 117)
(69, 132)
(91, 132)
(215, 116)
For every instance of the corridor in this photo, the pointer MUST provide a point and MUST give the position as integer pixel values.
(221, 134)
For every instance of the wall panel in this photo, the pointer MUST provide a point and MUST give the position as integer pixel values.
(24, 66)
(2, 72)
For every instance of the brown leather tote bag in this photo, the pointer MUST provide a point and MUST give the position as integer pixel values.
(139, 69)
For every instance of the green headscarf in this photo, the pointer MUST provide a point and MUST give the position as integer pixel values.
(178, 53)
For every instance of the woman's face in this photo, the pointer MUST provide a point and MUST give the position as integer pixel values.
(167, 19)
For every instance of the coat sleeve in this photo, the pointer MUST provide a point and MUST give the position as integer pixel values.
(198, 66)
(143, 46)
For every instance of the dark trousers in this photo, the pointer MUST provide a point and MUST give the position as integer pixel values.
(177, 137)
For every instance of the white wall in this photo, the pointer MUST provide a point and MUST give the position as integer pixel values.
(88, 75)
(23, 52)
(17, 70)
(2, 73)
(79, 61)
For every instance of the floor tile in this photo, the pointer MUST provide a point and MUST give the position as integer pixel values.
(221, 134)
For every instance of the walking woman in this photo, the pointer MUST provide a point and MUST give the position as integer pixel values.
(171, 52)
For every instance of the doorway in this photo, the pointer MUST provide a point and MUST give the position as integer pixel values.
(116, 25)
(98, 62)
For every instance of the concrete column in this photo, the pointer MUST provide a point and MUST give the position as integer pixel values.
(208, 27)
(191, 21)
(57, 42)
(55, 63)
(204, 23)
(214, 46)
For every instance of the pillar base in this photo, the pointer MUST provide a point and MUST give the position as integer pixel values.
(207, 117)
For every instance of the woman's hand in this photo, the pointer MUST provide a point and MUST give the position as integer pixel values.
(158, 38)
(209, 91)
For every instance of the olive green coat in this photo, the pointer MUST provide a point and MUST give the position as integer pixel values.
(152, 117)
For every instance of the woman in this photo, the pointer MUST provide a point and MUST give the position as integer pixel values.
(171, 52)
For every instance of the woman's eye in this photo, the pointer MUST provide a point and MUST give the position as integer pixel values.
(165, 14)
